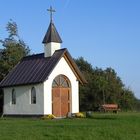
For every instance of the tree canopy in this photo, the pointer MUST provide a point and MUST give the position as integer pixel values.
(14, 48)
(103, 87)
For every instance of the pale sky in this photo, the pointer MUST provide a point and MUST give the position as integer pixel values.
(105, 32)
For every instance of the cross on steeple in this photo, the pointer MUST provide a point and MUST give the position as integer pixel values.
(51, 10)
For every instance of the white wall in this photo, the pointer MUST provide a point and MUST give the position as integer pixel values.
(61, 68)
(43, 94)
(50, 48)
(23, 104)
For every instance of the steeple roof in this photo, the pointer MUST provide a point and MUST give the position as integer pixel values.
(52, 35)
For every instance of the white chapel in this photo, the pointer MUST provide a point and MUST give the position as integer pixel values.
(42, 84)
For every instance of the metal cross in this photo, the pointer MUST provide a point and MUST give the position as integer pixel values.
(51, 10)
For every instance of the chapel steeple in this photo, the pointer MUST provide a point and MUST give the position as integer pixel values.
(52, 40)
(51, 35)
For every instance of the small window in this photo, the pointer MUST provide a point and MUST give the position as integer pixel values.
(33, 96)
(13, 96)
(61, 81)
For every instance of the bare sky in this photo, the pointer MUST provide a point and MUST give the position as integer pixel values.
(105, 32)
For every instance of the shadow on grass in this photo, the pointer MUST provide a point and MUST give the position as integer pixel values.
(104, 118)
(61, 136)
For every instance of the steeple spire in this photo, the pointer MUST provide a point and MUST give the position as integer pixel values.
(51, 10)
(52, 41)
(51, 35)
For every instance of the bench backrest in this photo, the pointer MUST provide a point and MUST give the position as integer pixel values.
(110, 106)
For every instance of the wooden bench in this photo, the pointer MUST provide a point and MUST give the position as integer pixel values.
(109, 107)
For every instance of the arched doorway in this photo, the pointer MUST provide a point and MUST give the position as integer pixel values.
(61, 98)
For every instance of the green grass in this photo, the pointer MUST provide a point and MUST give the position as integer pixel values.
(121, 126)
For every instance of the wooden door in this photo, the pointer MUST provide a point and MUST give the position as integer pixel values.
(64, 101)
(60, 96)
(60, 102)
(56, 104)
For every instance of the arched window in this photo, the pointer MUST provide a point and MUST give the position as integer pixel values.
(61, 81)
(33, 96)
(13, 96)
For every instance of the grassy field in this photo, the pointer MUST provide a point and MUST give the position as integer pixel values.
(121, 126)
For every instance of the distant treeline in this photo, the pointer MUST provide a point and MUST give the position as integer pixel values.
(104, 87)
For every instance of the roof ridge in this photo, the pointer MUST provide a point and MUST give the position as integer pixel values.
(34, 54)
(40, 55)
(61, 49)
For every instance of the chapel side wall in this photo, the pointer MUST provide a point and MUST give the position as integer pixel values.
(61, 68)
(23, 104)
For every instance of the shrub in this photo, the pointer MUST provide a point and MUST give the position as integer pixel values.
(79, 115)
(50, 116)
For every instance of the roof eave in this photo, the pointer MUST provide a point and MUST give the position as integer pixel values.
(75, 68)
(22, 84)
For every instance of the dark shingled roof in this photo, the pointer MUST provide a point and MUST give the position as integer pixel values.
(52, 35)
(36, 69)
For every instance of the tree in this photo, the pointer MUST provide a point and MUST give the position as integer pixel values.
(14, 48)
(104, 86)
(87, 70)
(127, 100)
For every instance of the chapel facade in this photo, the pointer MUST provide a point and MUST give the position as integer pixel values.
(46, 83)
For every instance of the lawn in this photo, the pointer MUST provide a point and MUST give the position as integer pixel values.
(121, 126)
